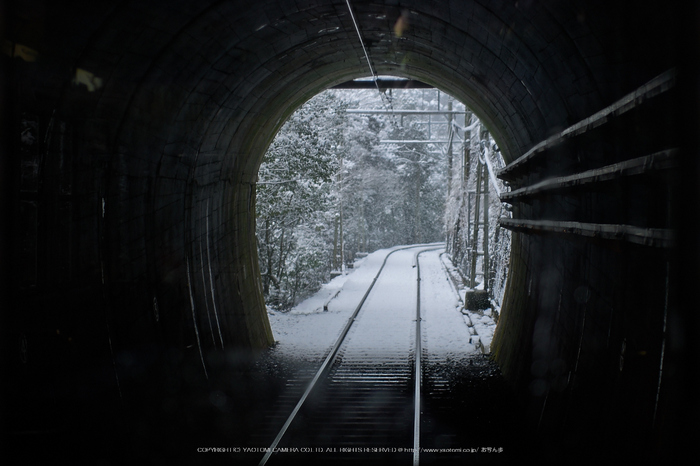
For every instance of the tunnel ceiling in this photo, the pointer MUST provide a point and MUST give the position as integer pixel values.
(181, 76)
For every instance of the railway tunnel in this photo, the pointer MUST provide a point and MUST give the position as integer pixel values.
(133, 132)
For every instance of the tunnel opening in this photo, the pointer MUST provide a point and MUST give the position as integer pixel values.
(354, 171)
(371, 161)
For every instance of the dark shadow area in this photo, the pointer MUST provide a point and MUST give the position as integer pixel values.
(169, 412)
(131, 137)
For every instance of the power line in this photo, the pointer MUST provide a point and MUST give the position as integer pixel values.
(382, 96)
(362, 43)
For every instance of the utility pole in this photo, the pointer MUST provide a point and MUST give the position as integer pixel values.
(449, 147)
(466, 142)
(481, 216)
(485, 259)
(475, 235)
(340, 198)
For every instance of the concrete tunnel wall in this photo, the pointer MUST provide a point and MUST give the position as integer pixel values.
(132, 191)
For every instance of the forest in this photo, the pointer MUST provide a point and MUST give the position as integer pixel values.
(353, 171)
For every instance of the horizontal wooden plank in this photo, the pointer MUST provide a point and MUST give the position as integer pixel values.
(661, 160)
(655, 237)
(656, 86)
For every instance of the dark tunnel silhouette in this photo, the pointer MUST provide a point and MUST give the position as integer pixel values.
(131, 137)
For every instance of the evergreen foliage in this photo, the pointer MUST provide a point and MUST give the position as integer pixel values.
(329, 188)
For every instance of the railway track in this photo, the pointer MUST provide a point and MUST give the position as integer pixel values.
(365, 398)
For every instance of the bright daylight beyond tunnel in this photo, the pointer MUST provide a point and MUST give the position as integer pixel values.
(356, 171)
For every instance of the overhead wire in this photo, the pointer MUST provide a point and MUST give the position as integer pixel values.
(369, 63)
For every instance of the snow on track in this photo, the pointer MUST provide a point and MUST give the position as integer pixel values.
(445, 333)
(307, 331)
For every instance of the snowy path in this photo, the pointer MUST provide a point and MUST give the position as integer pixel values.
(308, 331)
(445, 332)
(367, 397)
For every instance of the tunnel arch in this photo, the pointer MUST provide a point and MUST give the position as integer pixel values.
(266, 96)
(151, 119)
(248, 108)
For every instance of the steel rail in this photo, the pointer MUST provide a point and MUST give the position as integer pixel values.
(325, 366)
(418, 375)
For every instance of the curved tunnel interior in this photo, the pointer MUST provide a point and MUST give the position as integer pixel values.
(136, 130)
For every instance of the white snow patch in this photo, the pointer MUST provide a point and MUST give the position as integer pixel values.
(484, 325)
(307, 331)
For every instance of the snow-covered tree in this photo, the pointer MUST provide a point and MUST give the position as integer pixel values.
(295, 199)
(329, 187)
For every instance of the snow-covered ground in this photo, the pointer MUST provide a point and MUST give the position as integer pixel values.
(446, 335)
(308, 331)
(481, 323)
